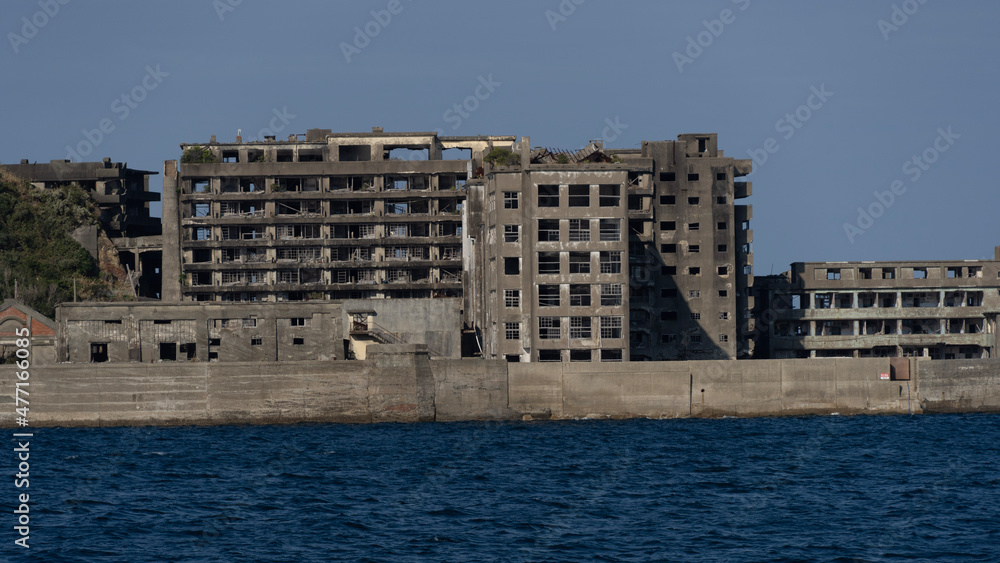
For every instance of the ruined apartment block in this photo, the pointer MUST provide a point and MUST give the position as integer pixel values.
(122, 196)
(324, 217)
(938, 310)
(611, 255)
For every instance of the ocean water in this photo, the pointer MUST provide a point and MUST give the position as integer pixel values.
(866, 488)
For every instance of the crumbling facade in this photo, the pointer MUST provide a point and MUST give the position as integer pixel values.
(932, 309)
(325, 217)
(121, 193)
(611, 255)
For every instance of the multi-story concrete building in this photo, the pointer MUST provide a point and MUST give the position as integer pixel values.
(593, 255)
(935, 309)
(331, 217)
(611, 255)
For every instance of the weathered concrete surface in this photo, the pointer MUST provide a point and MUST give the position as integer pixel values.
(400, 384)
(959, 386)
(471, 390)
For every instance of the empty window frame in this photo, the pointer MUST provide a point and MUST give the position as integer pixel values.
(667, 200)
(833, 274)
(511, 266)
(548, 230)
(511, 233)
(668, 176)
(548, 262)
(579, 262)
(512, 297)
(548, 295)
(610, 196)
(548, 195)
(579, 295)
(579, 196)
(610, 230)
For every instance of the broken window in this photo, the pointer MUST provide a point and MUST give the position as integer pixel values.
(833, 274)
(668, 225)
(548, 262)
(610, 196)
(511, 233)
(694, 226)
(611, 262)
(667, 200)
(611, 355)
(693, 200)
(694, 248)
(354, 153)
(548, 230)
(168, 351)
(98, 352)
(579, 230)
(548, 328)
(579, 262)
(692, 177)
(668, 177)
(579, 196)
(888, 273)
(579, 355)
(865, 273)
(694, 271)
(548, 296)
(580, 327)
(511, 266)
(548, 195)
(510, 200)
(610, 230)
(579, 295)
(919, 273)
(611, 294)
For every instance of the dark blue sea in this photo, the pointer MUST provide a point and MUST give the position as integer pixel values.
(866, 488)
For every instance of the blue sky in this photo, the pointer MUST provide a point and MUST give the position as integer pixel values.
(921, 84)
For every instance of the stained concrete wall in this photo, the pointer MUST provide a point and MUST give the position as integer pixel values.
(400, 384)
(959, 385)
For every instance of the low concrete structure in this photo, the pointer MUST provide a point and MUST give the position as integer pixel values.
(933, 309)
(399, 383)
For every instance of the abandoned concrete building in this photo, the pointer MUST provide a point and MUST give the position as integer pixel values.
(327, 217)
(315, 247)
(933, 309)
(593, 255)
(611, 255)
(264, 332)
(122, 196)
(121, 193)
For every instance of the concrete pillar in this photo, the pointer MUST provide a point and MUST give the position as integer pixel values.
(941, 298)
(171, 266)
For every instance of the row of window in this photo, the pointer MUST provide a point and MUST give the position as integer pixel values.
(579, 295)
(693, 338)
(579, 230)
(577, 196)
(672, 316)
(692, 248)
(610, 262)
(672, 176)
(551, 328)
(693, 200)
(586, 355)
(672, 226)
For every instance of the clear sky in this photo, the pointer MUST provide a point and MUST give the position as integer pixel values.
(844, 94)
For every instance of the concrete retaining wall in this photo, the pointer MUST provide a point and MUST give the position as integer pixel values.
(400, 384)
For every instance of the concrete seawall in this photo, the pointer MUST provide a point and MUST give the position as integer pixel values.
(400, 384)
